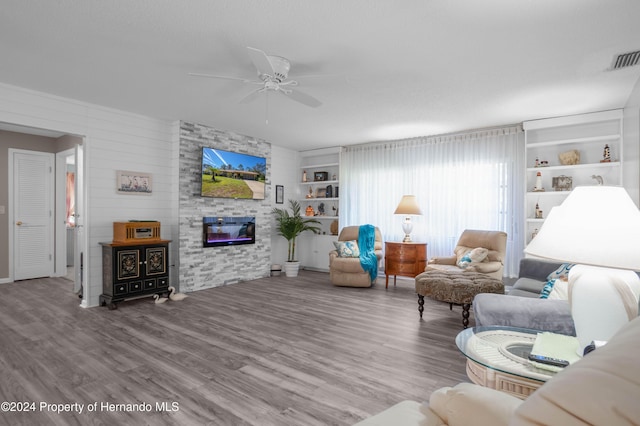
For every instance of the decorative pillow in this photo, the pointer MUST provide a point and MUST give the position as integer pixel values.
(548, 287)
(347, 248)
(476, 255)
(562, 272)
(560, 290)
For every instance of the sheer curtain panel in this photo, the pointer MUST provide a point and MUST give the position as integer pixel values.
(461, 181)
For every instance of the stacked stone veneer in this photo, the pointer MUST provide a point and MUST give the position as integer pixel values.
(206, 267)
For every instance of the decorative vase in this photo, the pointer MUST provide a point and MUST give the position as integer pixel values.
(291, 268)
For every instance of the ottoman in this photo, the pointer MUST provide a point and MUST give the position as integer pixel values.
(455, 287)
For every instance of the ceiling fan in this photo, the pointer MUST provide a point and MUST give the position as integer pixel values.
(272, 77)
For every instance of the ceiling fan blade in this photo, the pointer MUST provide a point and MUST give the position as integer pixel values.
(303, 98)
(261, 61)
(251, 96)
(224, 77)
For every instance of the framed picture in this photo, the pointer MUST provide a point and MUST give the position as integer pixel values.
(133, 183)
(562, 183)
(320, 176)
(279, 194)
(321, 193)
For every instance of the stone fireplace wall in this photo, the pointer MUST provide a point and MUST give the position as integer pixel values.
(208, 267)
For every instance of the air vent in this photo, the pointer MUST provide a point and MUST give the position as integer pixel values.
(626, 60)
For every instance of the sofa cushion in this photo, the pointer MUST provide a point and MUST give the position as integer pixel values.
(523, 312)
(347, 248)
(603, 388)
(530, 285)
(468, 404)
(404, 413)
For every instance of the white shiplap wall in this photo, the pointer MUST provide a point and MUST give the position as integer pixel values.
(114, 140)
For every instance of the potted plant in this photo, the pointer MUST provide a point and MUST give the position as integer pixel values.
(290, 225)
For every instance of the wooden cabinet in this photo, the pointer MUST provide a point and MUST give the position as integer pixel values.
(582, 137)
(131, 270)
(404, 259)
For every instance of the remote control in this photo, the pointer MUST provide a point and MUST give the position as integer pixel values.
(548, 360)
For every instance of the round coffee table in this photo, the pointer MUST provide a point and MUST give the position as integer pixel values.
(497, 358)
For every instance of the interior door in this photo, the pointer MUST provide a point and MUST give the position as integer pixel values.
(33, 227)
(80, 243)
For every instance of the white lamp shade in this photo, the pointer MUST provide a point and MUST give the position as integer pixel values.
(595, 225)
(408, 205)
(598, 226)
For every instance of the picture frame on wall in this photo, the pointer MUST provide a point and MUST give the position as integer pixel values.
(138, 183)
(279, 194)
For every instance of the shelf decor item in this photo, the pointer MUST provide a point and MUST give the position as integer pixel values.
(320, 176)
(562, 183)
(606, 155)
(538, 187)
(290, 225)
(569, 158)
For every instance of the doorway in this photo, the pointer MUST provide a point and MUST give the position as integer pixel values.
(68, 244)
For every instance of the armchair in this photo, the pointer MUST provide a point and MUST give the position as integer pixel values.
(492, 265)
(347, 271)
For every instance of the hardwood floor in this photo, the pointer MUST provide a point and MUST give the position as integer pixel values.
(274, 351)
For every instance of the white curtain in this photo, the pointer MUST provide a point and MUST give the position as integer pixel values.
(462, 181)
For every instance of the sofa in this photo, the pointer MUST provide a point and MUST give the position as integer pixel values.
(603, 388)
(522, 306)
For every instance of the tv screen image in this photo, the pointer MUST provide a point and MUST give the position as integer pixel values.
(228, 231)
(227, 174)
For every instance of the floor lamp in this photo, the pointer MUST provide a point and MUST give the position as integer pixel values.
(597, 228)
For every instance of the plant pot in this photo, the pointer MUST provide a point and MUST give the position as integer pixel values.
(291, 268)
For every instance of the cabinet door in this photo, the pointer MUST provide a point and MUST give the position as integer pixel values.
(155, 261)
(127, 264)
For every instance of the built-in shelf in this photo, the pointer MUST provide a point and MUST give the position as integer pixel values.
(591, 136)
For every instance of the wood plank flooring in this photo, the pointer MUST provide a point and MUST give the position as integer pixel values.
(273, 351)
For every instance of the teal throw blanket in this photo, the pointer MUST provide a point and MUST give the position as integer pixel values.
(366, 243)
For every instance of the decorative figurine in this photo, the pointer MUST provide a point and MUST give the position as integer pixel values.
(309, 211)
(606, 156)
(538, 186)
(598, 179)
(537, 162)
(534, 233)
(304, 175)
(310, 194)
(538, 212)
(321, 209)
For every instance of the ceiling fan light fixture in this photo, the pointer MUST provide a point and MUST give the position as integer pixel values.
(280, 66)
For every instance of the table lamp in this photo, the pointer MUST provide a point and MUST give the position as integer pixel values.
(597, 228)
(408, 206)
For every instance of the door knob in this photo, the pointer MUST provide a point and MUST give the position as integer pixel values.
(18, 223)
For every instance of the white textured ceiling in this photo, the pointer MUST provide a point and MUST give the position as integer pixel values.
(390, 69)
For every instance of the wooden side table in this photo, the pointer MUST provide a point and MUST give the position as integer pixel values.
(404, 259)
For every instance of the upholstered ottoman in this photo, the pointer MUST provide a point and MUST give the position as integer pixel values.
(455, 287)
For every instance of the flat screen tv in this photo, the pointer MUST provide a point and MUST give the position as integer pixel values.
(228, 231)
(227, 174)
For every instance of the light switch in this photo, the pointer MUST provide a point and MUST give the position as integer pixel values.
(2, 210)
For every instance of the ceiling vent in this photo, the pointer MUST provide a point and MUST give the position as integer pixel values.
(626, 60)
